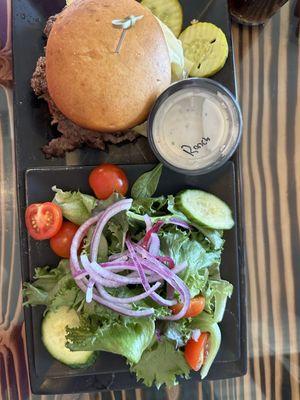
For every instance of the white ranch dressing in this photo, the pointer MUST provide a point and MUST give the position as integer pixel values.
(195, 128)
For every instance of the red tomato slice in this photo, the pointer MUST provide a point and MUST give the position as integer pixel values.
(197, 305)
(195, 352)
(61, 242)
(106, 179)
(43, 220)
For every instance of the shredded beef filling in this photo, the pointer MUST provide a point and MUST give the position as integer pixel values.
(73, 136)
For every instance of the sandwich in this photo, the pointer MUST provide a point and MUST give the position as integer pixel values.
(95, 93)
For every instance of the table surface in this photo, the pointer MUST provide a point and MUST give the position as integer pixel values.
(267, 60)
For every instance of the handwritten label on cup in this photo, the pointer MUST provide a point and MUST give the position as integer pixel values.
(192, 150)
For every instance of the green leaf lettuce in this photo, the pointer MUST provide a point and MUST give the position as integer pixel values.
(53, 288)
(180, 331)
(152, 206)
(76, 207)
(190, 247)
(160, 364)
(216, 293)
(128, 337)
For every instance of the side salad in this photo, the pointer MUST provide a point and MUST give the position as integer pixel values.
(139, 276)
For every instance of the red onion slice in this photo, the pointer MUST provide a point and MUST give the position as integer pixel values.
(121, 309)
(108, 275)
(120, 263)
(77, 239)
(156, 227)
(119, 257)
(167, 259)
(89, 291)
(179, 222)
(156, 297)
(153, 277)
(105, 277)
(80, 275)
(196, 334)
(125, 300)
(114, 209)
(96, 273)
(95, 276)
(147, 222)
(154, 245)
(119, 266)
(170, 277)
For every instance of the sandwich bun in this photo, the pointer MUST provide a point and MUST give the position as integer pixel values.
(92, 85)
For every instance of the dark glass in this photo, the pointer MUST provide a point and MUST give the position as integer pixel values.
(254, 12)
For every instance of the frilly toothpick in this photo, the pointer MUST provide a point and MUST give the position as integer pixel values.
(125, 24)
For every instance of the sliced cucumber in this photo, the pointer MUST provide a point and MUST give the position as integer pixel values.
(206, 46)
(204, 209)
(54, 338)
(168, 11)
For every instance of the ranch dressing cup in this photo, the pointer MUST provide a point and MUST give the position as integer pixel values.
(195, 126)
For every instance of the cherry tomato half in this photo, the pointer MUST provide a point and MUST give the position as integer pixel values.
(61, 242)
(43, 220)
(197, 305)
(196, 352)
(106, 179)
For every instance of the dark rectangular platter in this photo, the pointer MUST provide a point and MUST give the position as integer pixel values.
(32, 130)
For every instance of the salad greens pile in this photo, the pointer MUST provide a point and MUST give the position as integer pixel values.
(152, 346)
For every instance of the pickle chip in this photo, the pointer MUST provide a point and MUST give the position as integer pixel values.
(168, 11)
(206, 46)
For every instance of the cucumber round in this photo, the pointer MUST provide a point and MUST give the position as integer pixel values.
(168, 11)
(205, 45)
(54, 338)
(204, 209)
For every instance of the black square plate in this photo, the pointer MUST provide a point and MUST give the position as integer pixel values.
(111, 371)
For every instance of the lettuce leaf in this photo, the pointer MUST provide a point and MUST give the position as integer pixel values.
(216, 293)
(180, 331)
(53, 288)
(141, 129)
(76, 207)
(160, 364)
(129, 341)
(152, 206)
(103, 204)
(180, 65)
(202, 274)
(190, 247)
(115, 233)
(213, 236)
(175, 52)
(100, 328)
(104, 330)
(102, 249)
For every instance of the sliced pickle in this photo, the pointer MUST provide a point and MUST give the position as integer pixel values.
(168, 11)
(206, 46)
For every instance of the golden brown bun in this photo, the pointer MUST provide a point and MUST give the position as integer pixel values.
(95, 87)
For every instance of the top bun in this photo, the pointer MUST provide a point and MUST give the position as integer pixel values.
(92, 85)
